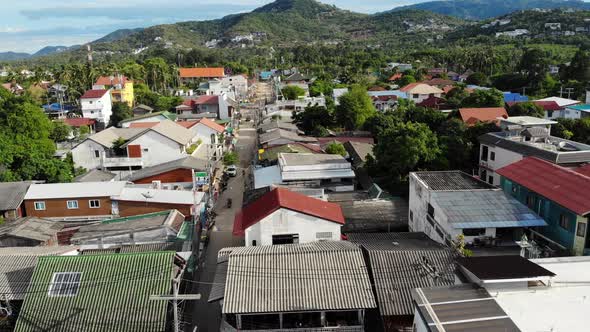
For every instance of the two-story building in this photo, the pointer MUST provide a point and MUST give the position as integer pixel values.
(219, 107)
(97, 104)
(127, 149)
(447, 204)
(120, 87)
(561, 196)
(285, 217)
(190, 75)
(526, 136)
(418, 92)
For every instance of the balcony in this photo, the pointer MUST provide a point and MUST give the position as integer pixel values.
(121, 162)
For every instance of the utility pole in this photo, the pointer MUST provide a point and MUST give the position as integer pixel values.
(175, 297)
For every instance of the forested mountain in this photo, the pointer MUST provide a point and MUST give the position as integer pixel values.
(282, 23)
(483, 9)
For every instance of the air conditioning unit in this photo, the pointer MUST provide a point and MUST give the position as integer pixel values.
(157, 184)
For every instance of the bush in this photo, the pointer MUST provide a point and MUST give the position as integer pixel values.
(193, 147)
(292, 92)
(336, 148)
(230, 158)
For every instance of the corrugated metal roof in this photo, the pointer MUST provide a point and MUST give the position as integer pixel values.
(134, 248)
(113, 294)
(398, 265)
(559, 184)
(374, 215)
(95, 175)
(166, 128)
(75, 189)
(31, 228)
(12, 194)
(284, 134)
(301, 277)
(15, 275)
(451, 180)
(183, 163)
(148, 195)
(218, 287)
(111, 134)
(483, 209)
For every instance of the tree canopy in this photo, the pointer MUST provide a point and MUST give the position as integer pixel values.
(336, 148)
(354, 109)
(121, 111)
(292, 92)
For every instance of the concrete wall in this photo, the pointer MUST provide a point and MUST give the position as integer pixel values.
(160, 149)
(84, 155)
(502, 158)
(97, 108)
(285, 221)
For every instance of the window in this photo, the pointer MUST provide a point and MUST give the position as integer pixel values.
(563, 222)
(492, 155)
(415, 96)
(72, 204)
(39, 206)
(514, 189)
(96, 154)
(474, 231)
(323, 235)
(65, 284)
(581, 231)
(549, 114)
(285, 239)
(146, 150)
(484, 153)
(94, 203)
(490, 179)
(431, 210)
(411, 215)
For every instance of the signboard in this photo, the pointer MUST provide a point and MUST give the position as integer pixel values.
(201, 178)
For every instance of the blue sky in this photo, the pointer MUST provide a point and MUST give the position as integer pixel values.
(29, 25)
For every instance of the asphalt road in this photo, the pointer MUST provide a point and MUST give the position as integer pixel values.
(206, 316)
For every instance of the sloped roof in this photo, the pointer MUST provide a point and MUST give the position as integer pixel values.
(12, 194)
(439, 81)
(330, 275)
(75, 189)
(143, 222)
(207, 100)
(212, 124)
(471, 116)
(559, 184)
(31, 228)
(143, 124)
(284, 134)
(143, 107)
(109, 135)
(548, 105)
(79, 122)
(421, 88)
(584, 170)
(147, 195)
(562, 102)
(117, 79)
(93, 94)
(295, 77)
(272, 153)
(283, 198)
(114, 292)
(408, 87)
(201, 72)
(398, 262)
(169, 129)
(95, 175)
(183, 163)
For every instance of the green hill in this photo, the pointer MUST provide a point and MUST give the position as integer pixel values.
(484, 9)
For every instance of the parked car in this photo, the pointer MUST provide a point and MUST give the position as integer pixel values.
(231, 170)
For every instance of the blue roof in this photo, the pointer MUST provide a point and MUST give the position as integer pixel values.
(580, 107)
(265, 74)
(514, 97)
(484, 209)
(397, 93)
(56, 107)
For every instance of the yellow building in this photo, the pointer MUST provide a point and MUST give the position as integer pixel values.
(120, 86)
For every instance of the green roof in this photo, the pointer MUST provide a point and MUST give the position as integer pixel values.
(272, 153)
(580, 107)
(136, 217)
(166, 114)
(113, 295)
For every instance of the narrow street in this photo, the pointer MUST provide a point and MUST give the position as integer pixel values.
(206, 316)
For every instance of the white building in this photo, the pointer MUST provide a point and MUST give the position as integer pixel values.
(97, 104)
(288, 106)
(562, 103)
(579, 111)
(512, 294)
(337, 93)
(418, 92)
(447, 204)
(235, 86)
(285, 217)
(328, 171)
(522, 137)
(143, 147)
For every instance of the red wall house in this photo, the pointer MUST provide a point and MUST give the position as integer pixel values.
(174, 176)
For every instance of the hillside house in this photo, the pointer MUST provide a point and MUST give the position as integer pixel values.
(119, 86)
(191, 75)
(285, 217)
(97, 104)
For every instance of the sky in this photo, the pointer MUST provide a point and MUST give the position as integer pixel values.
(29, 25)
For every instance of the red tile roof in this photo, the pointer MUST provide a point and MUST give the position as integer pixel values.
(432, 102)
(143, 124)
(439, 82)
(584, 170)
(212, 124)
(79, 122)
(559, 184)
(484, 114)
(207, 100)
(395, 77)
(548, 105)
(201, 72)
(377, 88)
(93, 94)
(283, 198)
(106, 80)
(187, 124)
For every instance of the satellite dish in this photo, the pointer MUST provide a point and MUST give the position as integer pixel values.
(147, 195)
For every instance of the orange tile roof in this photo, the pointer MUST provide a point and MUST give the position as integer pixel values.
(106, 80)
(484, 114)
(187, 124)
(395, 77)
(212, 124)
(409, 87)
(201, 72)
